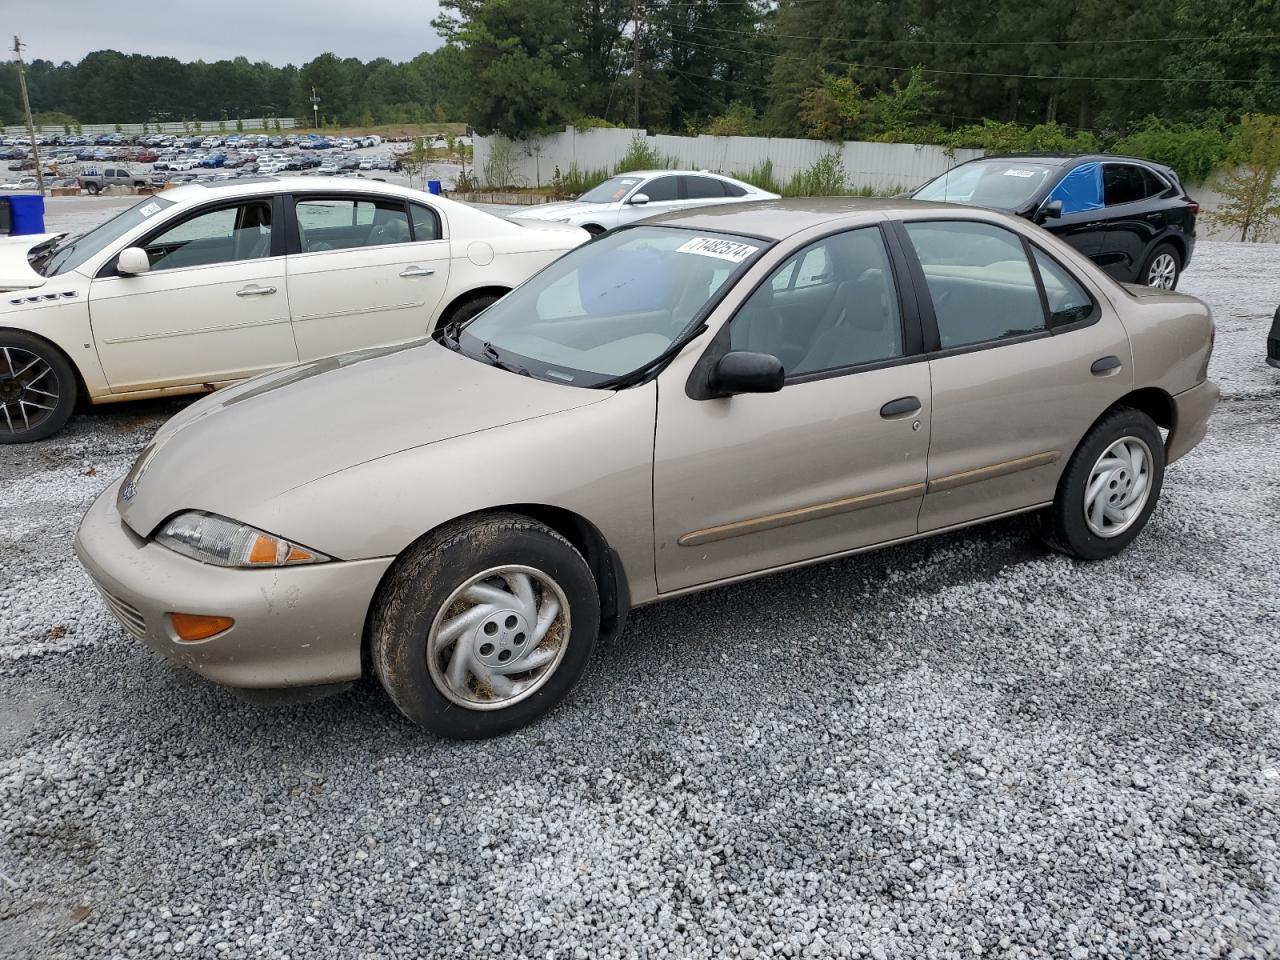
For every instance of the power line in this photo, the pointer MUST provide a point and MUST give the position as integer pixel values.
(975, 73)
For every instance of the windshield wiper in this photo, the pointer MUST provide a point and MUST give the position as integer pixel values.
(495, 360)
(641, 373)
(448, 335)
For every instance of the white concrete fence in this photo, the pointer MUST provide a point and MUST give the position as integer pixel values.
(879, 166)
(190, 127)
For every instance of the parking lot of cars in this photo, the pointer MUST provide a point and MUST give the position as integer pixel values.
(967, 746)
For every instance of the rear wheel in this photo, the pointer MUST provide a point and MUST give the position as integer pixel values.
(1110, 487)
(37, 388)
(1163, 268)
(484, 626)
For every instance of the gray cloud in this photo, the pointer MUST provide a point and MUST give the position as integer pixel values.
(278, 31)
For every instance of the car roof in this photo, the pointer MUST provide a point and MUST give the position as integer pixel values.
(779, 219)
(674, 173)
(1065, 159)
(198, 190)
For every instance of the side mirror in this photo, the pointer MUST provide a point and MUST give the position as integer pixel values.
(639, 199)
(133, 260)
(1049, 211)
(743, 372)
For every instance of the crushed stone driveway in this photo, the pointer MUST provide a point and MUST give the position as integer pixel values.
(962, 747)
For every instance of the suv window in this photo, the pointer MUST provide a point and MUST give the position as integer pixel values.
(342, 223)
(703, 188)
(831, 305)
(1067, 300)
(1122, 183)
(224, 235)
(979, 280)
(1154, 183)
(661, 189)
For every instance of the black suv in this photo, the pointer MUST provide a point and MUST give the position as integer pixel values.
(1130, 216)
(1273, 341)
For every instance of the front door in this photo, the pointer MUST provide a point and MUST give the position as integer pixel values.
(1015, 386)
(664, 196)
(367, 271)
(834, 461)
(213, 307)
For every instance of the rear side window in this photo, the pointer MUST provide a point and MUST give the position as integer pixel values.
(979, 279)
(343, 223)
(1122, 183)
(426, 223)
(703, 188)
(732, 189)
(1068, 303)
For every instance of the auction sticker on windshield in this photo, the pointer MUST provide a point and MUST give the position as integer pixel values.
(1020, 173)
(729, 250)
(149, 209)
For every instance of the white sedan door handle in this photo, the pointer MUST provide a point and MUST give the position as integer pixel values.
(416, 272)
(255, 291)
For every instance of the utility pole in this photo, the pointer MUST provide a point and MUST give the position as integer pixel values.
(635, 60)
(315, 109)
(26, 106)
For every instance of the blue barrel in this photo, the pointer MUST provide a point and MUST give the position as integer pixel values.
(433, 186)
(26, 214)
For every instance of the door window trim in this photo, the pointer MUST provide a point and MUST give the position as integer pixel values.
(108, 268)
(908, 317)
(928, 318)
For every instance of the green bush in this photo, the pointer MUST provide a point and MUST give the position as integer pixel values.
(761, 175)
(1008, 137)
(740, 120)
(640, 156)
(825, 178)
(573, 182)
(1194, 152)
(583, 124)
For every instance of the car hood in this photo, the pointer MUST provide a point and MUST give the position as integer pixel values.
(232, 451)
(15, 269)
(554, 211)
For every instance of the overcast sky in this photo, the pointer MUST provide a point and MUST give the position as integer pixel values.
(278, 31)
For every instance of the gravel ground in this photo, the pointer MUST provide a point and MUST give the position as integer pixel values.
(956, 748)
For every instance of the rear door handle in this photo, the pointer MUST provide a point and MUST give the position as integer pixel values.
(903, 406)
(1105, 365)
(416, 272)
(255, 291)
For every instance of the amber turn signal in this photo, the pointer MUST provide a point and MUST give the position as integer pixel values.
(191, 627)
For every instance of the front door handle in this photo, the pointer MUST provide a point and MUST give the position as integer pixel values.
(1105, 365)
(902, 407)
(253, 290)
(416, 272)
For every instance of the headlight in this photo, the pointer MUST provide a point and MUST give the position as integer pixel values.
(225, 543)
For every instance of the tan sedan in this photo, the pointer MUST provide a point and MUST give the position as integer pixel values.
(679, 404)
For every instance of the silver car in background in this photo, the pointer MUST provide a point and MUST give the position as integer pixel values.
(677, 405)
(634, 196)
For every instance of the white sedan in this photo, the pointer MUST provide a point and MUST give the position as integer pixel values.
(645, 193)
(207, 284)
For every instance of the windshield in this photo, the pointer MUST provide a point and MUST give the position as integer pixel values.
(1005, 184)
(610, 308)
(611, 191)
(79, 249)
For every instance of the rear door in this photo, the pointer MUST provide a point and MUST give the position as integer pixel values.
(1136, 214)
(213, 307)
(1023, 359)
(364, 270)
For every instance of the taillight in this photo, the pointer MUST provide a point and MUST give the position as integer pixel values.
(1194, 208)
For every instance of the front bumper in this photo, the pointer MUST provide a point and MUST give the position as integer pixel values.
(1191, 410)
(294, 626)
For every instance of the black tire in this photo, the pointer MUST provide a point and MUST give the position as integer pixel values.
(1066, 527)
(469, 308)
(425, 578)
(93, 189)
(594, 229)
(17, 396)
(1147, 278)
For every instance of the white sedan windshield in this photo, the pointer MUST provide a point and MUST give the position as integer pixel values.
(76, 251)
(611, 307)
(612, 190)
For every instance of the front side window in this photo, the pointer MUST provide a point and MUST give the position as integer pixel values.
(837, 308)
(979, 280)
(343, 223)
(1080, 189)
(609, 308)
(224, 235)
(662, 189)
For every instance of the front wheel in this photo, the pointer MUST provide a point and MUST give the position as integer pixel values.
(1109, 488)
(1163, 268)
(484, 626)
(37, 388)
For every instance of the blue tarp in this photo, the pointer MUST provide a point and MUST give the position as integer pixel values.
(1080, 190)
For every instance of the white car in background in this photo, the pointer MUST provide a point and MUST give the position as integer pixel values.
(645, 193)
(213, 282)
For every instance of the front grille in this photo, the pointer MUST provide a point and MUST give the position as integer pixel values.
(1273, 348)
(130, 617)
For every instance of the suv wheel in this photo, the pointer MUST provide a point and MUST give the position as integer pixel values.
(484, 625)
(1162, 268)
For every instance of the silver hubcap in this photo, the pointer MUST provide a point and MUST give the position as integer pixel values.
(498, 638)
(1164, 270)
(28, 390)
(1119, 485)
